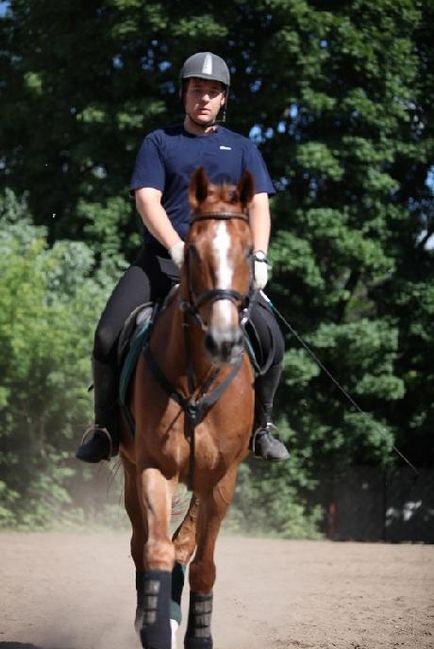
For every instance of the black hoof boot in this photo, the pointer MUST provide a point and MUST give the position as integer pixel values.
(98, 447)
(267, 447)
(153, 609)
(198, 635)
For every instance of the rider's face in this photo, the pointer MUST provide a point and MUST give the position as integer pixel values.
(203, 100)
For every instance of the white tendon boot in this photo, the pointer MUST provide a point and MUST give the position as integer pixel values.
(174, 626)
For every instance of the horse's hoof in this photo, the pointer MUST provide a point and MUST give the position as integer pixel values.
(156, 638)
(198, 643)
(174, 627)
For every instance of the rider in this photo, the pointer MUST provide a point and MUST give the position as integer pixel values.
(160, 181)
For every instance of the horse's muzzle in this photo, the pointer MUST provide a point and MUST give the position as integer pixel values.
(224, 347)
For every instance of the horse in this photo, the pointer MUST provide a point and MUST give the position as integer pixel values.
(192, 402)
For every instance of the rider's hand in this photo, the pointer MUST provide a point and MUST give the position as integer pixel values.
(177, 253)
(260, 269)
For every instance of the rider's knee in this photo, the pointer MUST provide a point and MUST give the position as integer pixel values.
(278, 344)
(105, 338)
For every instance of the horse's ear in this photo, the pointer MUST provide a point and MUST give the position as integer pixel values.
(246, 188)
(198, 190)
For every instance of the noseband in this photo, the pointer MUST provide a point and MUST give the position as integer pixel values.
(193, 303)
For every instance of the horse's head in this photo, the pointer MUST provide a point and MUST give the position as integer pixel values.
(218, 262)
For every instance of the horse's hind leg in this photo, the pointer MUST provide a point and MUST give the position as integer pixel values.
(212, 509)
(155, 495)
(184, 540)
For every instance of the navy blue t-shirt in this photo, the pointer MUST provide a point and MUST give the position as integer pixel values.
(168, 157)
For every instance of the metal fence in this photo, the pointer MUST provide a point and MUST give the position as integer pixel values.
(365, 504)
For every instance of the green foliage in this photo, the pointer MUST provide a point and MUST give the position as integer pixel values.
(48, 306)
(266, 502)
(350, 250)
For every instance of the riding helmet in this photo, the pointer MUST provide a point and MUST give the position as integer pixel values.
(206, 65)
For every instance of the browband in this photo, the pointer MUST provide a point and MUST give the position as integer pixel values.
(219, 216)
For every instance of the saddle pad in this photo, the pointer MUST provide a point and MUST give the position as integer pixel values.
(136, 345)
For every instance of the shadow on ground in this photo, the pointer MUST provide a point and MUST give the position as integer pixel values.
(19, 645)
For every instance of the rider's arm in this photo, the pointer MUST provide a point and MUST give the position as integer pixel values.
(154, 216)
(260, 221)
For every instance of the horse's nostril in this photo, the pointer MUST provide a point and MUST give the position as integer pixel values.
(224, 348)
(210, 343)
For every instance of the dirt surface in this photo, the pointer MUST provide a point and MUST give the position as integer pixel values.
(76, 591)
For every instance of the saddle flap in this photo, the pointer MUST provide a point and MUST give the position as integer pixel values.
(141, 314)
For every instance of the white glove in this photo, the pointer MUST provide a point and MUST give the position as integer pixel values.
(177, 253)
(260, 269)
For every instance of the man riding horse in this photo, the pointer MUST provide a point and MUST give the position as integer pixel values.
(164, 165)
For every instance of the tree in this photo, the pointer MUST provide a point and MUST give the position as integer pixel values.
(350, 139)
(48, 303)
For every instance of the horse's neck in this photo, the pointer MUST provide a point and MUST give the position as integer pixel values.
(178, 343)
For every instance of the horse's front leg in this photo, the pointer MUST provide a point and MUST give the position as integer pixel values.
(138, 537)
(212, 508)
(155, 495)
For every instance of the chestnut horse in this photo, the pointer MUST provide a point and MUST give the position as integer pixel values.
(192, 401)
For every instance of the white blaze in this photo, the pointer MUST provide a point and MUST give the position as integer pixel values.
(224, 271)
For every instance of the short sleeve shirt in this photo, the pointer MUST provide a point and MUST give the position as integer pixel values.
(168, 157)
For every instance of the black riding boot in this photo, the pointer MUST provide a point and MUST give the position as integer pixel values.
(104, 442)
(263, 444)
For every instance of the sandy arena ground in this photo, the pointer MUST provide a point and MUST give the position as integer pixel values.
(76, 591)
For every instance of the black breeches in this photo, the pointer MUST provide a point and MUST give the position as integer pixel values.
(265, 336)
(150, 278)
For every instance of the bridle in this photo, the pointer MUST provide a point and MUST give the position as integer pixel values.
(194, 302)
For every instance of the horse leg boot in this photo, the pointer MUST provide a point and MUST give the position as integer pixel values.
(104, 442)
(263, 444)
(153, 608)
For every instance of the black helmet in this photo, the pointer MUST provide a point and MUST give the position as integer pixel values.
(206, 65)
